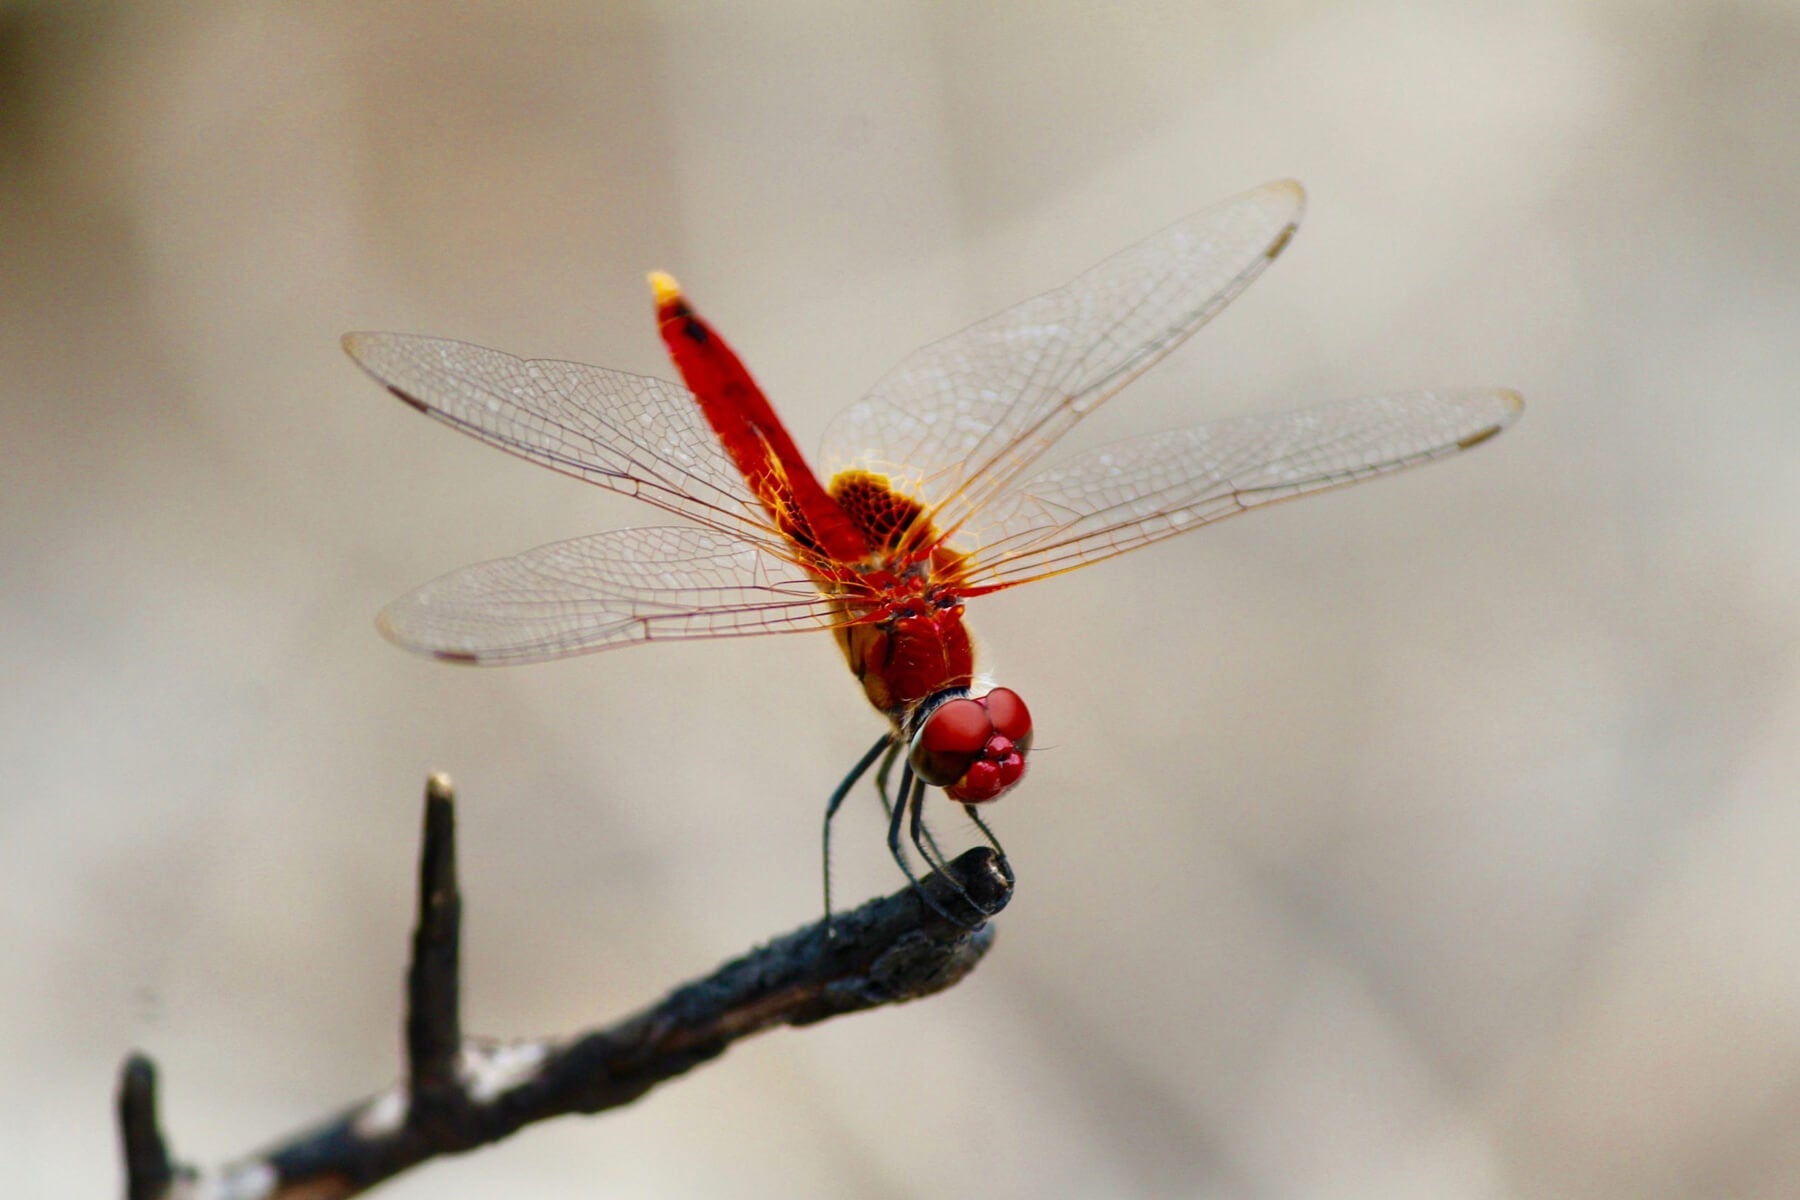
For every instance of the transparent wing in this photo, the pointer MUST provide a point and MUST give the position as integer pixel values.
(959, 419)
(611, 589)
(632, 434)
(1135, 492)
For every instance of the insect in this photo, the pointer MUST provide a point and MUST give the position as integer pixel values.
(933, 494)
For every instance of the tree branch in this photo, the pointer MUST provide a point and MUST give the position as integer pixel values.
(460, 1093)
(148, 1171)
(433, 994)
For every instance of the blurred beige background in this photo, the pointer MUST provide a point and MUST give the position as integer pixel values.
(1433, 839)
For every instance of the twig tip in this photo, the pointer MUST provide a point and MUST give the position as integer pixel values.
(148, 1168)
(139, 1072)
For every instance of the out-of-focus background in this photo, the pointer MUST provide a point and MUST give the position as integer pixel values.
(1432, 839)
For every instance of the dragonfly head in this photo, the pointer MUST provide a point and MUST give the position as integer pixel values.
(973, 748)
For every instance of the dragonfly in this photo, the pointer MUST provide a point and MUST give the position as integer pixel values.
(933, 494)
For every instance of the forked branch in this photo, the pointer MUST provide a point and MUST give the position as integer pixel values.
(460, 1093)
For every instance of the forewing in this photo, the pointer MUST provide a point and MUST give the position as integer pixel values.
(958, 419)
(1135, 492)
(611, 589)
(633, 434)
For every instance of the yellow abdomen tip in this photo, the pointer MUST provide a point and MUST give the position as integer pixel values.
(666, 290)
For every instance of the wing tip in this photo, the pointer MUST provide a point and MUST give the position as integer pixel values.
(1286, 197)
(1512, 405)
(388, 627)
(360, 346)
(1290, 192)
(1292, 189)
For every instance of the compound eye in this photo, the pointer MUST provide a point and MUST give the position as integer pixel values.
(951, 739)
(959, 726)
(1010, 716)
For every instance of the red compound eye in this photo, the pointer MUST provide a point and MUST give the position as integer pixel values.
(957, 727)
(1009, 714)
(951, 738)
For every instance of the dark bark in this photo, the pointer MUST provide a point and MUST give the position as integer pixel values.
(470, 1092)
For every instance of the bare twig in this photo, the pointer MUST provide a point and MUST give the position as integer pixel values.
(461, 1093)
(148, 1171)
(433, 996)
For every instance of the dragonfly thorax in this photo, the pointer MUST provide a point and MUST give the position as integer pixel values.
(907, 646)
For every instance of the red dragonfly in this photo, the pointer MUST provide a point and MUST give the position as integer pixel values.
(932, 496)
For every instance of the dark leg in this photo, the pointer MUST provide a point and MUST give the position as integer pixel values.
(881, 777)
(936, 857)
(837, 799)
(897, 814)
(917, 803)
(921, 839)
(912, 793)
